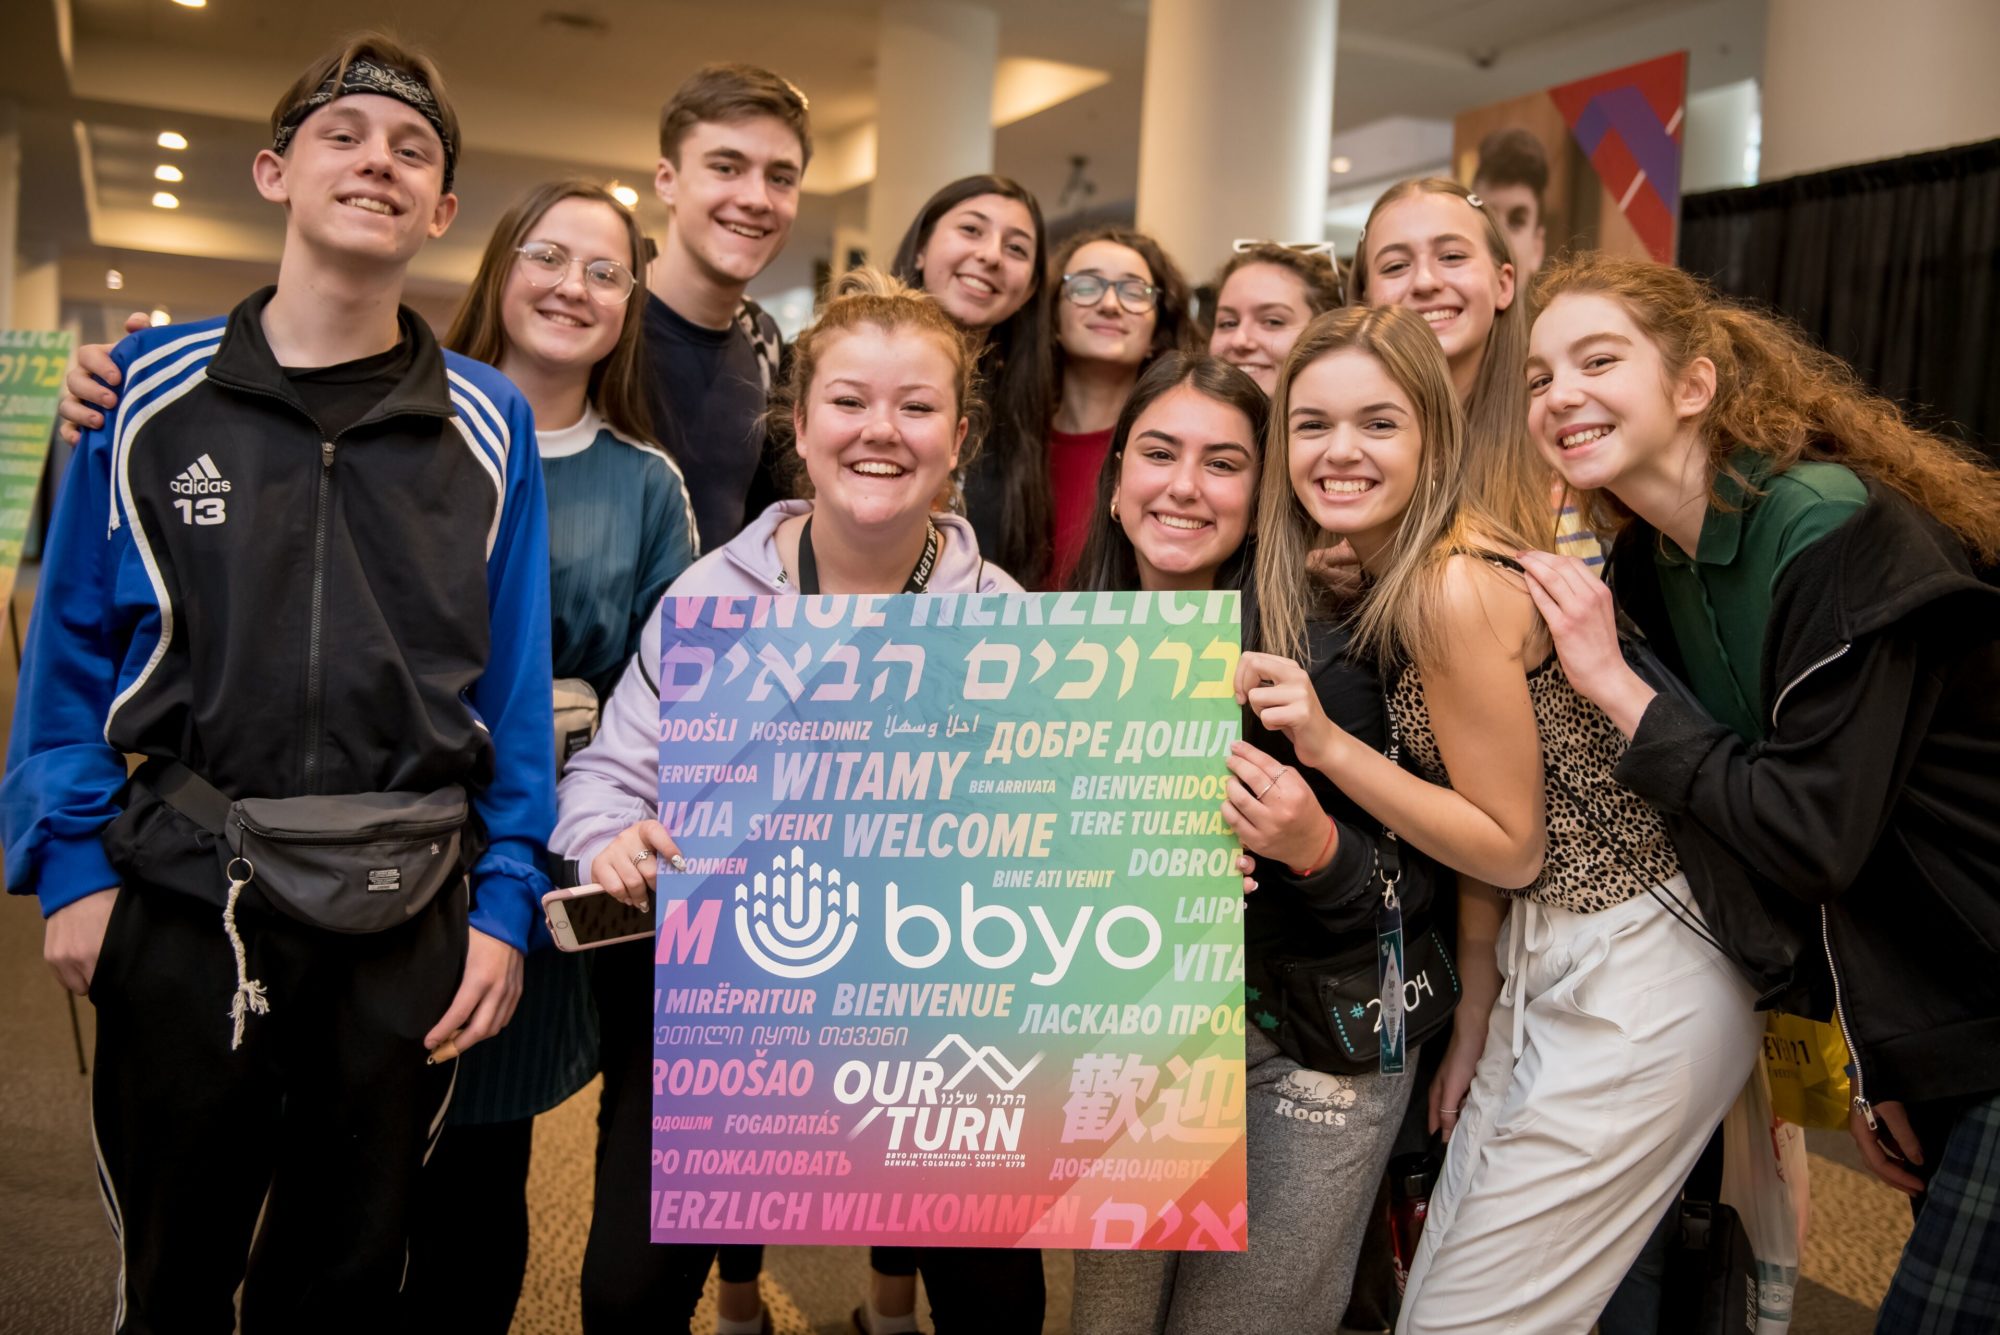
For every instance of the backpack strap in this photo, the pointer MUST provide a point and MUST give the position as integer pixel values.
(766, 340)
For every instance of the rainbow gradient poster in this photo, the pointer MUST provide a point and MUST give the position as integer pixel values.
(956, 958)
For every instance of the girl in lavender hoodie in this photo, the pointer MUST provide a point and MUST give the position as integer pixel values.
(877, 402)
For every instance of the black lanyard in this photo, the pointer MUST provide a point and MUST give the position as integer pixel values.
(1390, 962)
(919, 576)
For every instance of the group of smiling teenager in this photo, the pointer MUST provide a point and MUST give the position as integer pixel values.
(1439, 674)
(1807, 560)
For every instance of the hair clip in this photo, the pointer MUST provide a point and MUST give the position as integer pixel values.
(1474, 200)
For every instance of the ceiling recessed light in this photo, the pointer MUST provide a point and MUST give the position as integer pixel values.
(192, 4)
(170, 139)
(113, 279)
(165, 172)
(1342, 165)
(160, 316)
(625, 195)
(163, 200)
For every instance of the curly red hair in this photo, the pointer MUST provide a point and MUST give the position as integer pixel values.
(1778, 394)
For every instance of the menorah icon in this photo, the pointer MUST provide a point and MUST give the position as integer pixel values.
(799, 922)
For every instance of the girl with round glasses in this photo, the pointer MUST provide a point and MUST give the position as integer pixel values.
(1121, 303)
(545, 264)
(550, 308)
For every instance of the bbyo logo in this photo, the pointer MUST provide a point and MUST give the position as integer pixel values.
(797, 923)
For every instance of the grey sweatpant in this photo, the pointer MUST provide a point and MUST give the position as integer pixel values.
(1317, 1146)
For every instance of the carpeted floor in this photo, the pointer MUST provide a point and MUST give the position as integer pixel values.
(1858, 1231)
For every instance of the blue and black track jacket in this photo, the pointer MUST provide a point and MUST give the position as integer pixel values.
(288, 614)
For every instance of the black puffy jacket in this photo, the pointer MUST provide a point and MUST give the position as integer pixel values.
(1875, 799)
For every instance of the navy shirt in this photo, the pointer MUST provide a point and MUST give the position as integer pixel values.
(708, 406)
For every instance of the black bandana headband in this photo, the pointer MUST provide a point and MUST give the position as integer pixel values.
(366, 76)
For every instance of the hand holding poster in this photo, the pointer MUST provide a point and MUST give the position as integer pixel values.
(957, 956)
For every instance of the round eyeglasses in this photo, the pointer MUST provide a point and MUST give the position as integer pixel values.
(545, 264)
(1087, 289)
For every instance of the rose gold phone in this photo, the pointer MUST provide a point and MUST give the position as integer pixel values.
(584, 917)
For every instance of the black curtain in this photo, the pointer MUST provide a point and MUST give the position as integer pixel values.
(1894, 266)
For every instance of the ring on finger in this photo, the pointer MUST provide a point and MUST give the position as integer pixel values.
(1272, 784)
(642, 855)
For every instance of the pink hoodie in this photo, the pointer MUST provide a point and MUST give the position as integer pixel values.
(613, 783)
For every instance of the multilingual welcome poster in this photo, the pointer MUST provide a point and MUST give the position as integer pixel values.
(957, 956)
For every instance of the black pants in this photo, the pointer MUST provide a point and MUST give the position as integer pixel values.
(981, 1290)
(469, 1237)
(629, 1284)
(320, 1119)
(632, 1285)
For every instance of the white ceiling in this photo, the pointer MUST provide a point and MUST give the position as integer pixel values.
(555, 87)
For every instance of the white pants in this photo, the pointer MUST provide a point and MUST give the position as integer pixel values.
(1619, 1041)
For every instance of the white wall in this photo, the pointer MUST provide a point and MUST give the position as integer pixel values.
(1857, 80)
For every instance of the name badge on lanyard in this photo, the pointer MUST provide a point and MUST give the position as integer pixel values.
(1389, 955)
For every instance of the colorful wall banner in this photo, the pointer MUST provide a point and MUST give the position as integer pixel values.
(957, 959)
(31, 375)
(1610, 147)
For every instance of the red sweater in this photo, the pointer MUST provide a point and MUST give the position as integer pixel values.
(1074, 463)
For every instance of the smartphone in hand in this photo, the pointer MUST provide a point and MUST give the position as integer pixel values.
(585, 917)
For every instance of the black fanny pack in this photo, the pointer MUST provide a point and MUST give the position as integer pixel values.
(1358, 1012)
(1330, 1010)
(356, 862)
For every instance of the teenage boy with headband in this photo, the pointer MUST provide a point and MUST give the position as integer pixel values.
(734, 143)
(306, 558)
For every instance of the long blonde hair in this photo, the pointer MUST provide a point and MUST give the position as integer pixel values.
(1401, 616)
(1779, 395)
(1507, 473)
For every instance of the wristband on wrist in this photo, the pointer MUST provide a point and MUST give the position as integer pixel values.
(1319, 861)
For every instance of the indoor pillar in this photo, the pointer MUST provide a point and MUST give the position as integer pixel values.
(1235, 125)
(934, 67)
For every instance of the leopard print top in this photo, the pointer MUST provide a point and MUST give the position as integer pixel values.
(1585, 870)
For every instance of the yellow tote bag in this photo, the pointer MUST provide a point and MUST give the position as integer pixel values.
(1807, 1063)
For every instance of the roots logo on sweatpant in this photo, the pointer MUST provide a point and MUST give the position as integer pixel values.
(1315, 1096)
(797, 921)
